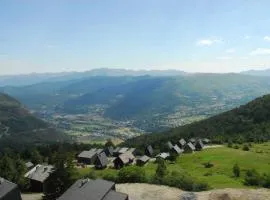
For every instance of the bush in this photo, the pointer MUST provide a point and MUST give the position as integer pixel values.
(132, 174)
(236, 147)
(208, 164)
(245, 147)
(266, 180)
(236, 170)
(253, 178)
(111, 177)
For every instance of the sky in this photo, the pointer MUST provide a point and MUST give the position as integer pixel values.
(78, 35)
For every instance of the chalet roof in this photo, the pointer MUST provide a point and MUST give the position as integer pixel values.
(102, 159)
(88, 189)
(29, 164)
(126, 157)
(6, 187)
(39, 173)
(192, 140)
(163, 155)
(116, 150)
(206, 140)
(199, 144)
(169, 144)
(177, 149)
(144, 158)
(131, 150)
(88, 154)
(123, 150)
(150, 150)
(190, 145)
(113, 195)
(182, 141)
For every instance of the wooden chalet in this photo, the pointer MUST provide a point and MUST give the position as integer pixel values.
(189, 148)
(38, 176)
(88, 189)
(176, 149)
(101, 161)
(142, 160)
(9, 190)
(199, 145)
(89, 157)
(123, 160)
(149, 151)
(29, 165)
(163, 155)
(182, 143)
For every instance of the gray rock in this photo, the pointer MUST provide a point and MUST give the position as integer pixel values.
(188, 196)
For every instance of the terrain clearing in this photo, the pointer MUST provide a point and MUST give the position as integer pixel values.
(220, 175)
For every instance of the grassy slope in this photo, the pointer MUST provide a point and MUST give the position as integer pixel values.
(223, 159)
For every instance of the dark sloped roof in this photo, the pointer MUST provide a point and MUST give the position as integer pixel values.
(116, 150)
(126, 157)
(88, 154)
(7, 187)
(190, 145)
(109, 150)
(177, 149)
(123, 150)
(144, 158)
(199, 144)
(113, 195)
(88, 189)
(149, 149)
(102, 159)
(182, 141)
(40, 173)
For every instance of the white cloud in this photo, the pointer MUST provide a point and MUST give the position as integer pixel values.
(247, 37)
(267, 38)
(260, 51)
(207, 42)
(232, 50)
(224, 58)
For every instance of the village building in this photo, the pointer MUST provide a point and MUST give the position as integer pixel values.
(89, 157)
(116, 151)
(149, 151)
(109, 151)
(142, 160)
(169, 145)
(163, 155)
(9, 190)
(199, 145)
(189, 148)
(131, 150)
(192, 140)
(29, 165)
(206, 141)
(101, 161)
(176, 149)
(123, 160)
(182, 143)
(38, 176)
(89, 189)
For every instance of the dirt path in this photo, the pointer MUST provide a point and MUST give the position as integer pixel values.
(139, 191)
(35, 196)
(213, 146)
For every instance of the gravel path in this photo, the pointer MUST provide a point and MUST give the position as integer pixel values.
(35, 196)
(139, 191)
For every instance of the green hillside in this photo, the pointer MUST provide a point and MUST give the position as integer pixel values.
(18, 126)
(250, 122)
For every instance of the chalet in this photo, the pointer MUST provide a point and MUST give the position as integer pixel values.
(192, 140)
(123, 150)
(89, 157)
(29, 165)
(116, 151)
(123, 160)
(169, 145)
(142, 160)
(9, 190)
(38, 176)
(176, 149)
(149, 151)
(88, 189)
(132, 150)
(109, 151)
(189, 148)
(206, 141)
(199, 145)
(182, 143)
(163, 155)
(101, 161)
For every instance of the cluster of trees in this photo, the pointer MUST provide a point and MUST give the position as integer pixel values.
(248, 123)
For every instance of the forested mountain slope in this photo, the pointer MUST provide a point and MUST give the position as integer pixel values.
(18, 126)
(250, 122)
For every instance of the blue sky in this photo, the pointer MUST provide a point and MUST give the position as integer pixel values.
(197, 35)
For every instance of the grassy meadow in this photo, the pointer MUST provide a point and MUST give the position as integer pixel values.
(218, 176)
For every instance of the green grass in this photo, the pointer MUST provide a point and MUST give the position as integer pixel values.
(220, 175)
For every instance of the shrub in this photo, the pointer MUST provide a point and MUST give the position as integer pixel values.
(266, 180)
(208, 164)
(252, 177)
(245, 147)
(236, 170)
(132, 174)
(236, 147)
(208, 174)
(111, 177)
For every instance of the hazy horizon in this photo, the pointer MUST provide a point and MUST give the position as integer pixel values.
(198, 36)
